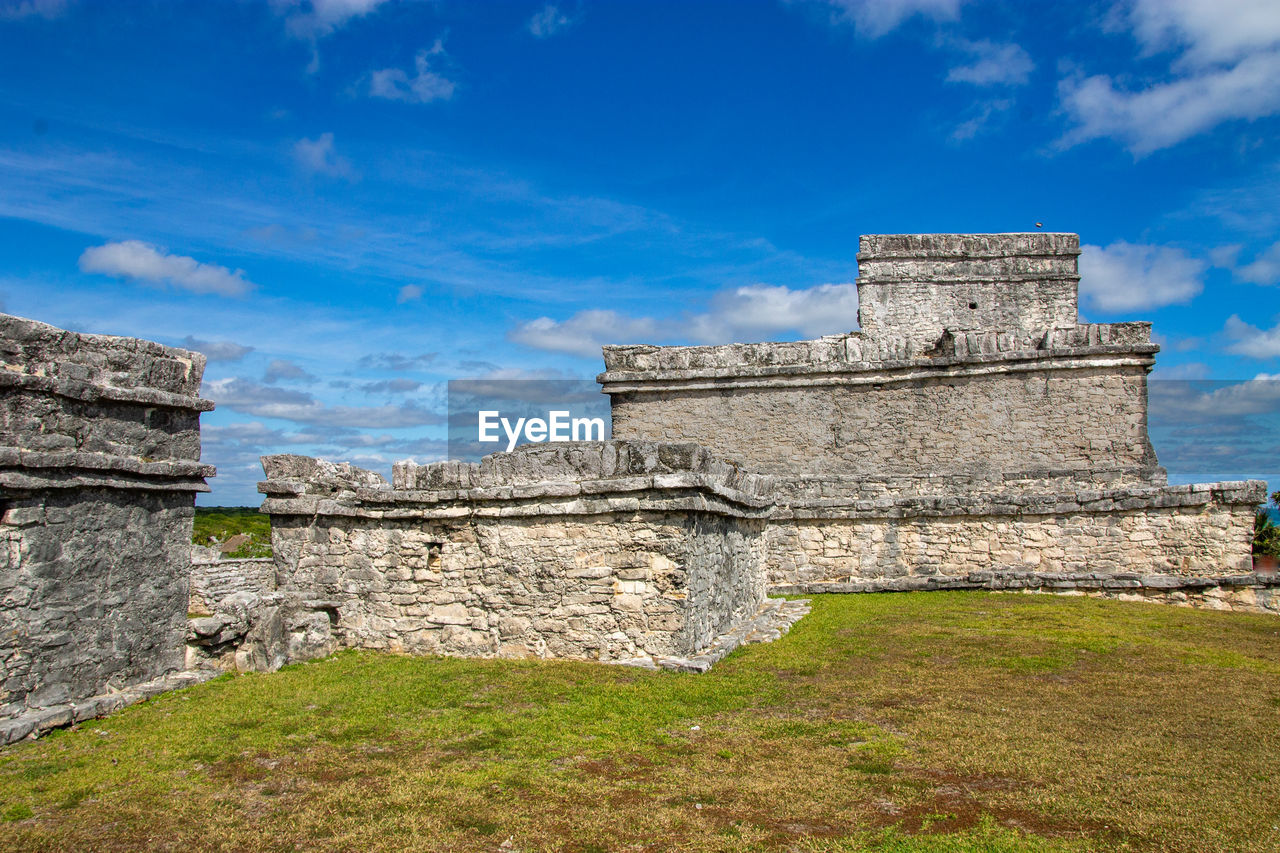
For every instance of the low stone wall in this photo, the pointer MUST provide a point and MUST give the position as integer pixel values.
(1201, 530)
(1253, 592)
(611, 551)
(214, 580)
(99, 466)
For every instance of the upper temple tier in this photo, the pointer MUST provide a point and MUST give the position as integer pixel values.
(970, 364)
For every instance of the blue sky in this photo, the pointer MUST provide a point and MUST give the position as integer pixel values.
(346, 203)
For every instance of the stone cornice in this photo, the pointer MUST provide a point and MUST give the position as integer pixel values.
(89, 392)
(1118, 500)
(878, 373)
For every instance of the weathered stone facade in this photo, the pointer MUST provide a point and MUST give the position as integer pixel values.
(615, 551)
(99, 466)
(971, 425)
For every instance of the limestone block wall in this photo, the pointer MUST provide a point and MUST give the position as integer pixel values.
(598, 550)
(1176, 531)
(918, 285)
(99, 466)
(973, 416)
(214, 580)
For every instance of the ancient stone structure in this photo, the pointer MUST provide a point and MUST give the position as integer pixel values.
(99, 466)
(972, 433)
(634, 552)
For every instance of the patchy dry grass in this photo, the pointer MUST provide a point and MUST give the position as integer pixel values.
(921, 722)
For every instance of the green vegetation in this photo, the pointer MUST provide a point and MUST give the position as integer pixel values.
(1266, 534)
(217, 524)
(940, 721)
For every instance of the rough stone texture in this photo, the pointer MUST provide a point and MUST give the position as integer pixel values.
(214, 580)
(928, 426)
(99, 463)
(1175, 530)
(971, 424)
(1252, 592)
(918, 285)
(611, 551)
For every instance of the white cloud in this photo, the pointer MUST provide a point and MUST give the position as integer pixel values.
(1251, 341)
(874, 18)
(747, 313)
(584, 333)
(1265, 269)
(1127, 276)
(217, 350)
(409, 293)
(1165, 114)
(759, 310)
(1226, 63)
(548, 21)
(422, 88)
(313, 19)
(266, 401)
(1209, 31)
(138, 261)
(993, 64)
(319, 156)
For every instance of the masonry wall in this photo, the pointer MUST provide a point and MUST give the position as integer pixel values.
(595, 587)
(214, 580)
(99, 466)
(1064, 420)
(918, 285)
(1175, 531)
(596, 550)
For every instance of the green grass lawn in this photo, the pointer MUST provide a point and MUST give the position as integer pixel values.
(926, 721)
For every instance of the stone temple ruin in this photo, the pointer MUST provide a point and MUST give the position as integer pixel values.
(972, 434)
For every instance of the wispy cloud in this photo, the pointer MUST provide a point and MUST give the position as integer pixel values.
(1264, 269)
(319, 156)
(1248, 340)
(217, 350)
(397, 361)
(137, 261)
(584, 333)
(267, 401)
(283, 369)
(875, 18)
(313, 19)
(14, 9)
(748, 313)
(548, 21)
(1128, 276)
(409, 293)
(423, 87)
(991, 64)
(1227, 62)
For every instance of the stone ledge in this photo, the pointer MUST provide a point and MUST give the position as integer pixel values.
(55, 478)
(566, 478)
(410, 506)
(998, 580)
(16, 457)
(968, 246)
(76, 389)
(40, 721)
(1124, 499)
(895, 370)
